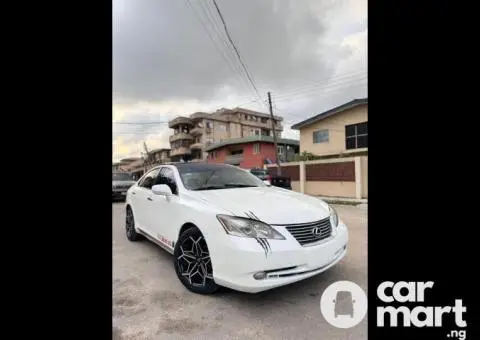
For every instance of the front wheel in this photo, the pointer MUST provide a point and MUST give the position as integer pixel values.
(193, 264)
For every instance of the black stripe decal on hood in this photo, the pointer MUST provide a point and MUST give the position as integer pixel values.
(254, 216)
(261, 241)
(265, 241)
(264, 247)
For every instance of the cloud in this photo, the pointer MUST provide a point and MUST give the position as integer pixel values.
(310, 54)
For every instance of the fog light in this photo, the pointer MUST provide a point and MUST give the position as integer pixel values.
(259, 275)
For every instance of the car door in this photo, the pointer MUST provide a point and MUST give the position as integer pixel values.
(162, 209)
(142, 197)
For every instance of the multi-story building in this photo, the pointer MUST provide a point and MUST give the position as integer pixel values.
(193, 134)
(158, 156)
(252, 152)
(132, 165)
(340, 130)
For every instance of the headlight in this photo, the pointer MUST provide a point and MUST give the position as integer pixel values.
(333, 217)
(245, 227)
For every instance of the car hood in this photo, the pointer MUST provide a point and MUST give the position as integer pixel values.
(269, 204)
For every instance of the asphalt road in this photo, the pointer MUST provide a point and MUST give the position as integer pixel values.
(150, 303)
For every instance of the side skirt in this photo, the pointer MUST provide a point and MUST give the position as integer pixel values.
(154, 240)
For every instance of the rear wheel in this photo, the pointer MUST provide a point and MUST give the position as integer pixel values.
(132, 234)
(193, 264)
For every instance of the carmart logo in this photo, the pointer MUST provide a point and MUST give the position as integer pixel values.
(419, 316)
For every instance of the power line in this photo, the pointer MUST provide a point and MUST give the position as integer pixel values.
(307, 91)
(222, 53)
(331, 87)
(327, 81)
(236, 50)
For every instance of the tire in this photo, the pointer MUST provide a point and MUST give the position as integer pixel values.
(132, 234)
(193, 264)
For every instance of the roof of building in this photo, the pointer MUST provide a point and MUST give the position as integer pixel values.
(130, 159)
(252, 139)
(331, 112)
(218, 115)
(159, 150)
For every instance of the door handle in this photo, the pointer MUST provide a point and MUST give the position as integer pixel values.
(149, 198)
(134, 193)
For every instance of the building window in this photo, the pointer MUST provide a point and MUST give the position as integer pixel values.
(209, 125)
(256, 148)
(320, 136)
(356, 136)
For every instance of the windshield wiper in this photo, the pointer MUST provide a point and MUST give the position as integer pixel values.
(232, 185)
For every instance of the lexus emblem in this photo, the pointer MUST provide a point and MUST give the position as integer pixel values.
(317, 232)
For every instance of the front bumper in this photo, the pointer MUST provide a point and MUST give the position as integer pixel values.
(284, 261)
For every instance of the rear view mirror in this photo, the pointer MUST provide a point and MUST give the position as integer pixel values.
(161, 189)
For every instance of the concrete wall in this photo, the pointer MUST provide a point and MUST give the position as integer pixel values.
(337, 177)
(336, 130)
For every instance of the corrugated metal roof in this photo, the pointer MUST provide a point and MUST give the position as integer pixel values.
(252, 139)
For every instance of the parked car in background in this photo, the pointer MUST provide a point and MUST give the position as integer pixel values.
(225, 227)
(276, 181)
(262, 174)
(121, 182)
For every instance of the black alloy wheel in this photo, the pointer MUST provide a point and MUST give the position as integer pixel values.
(132, 235)
(193, 264)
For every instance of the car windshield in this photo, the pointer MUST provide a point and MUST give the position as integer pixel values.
(217, 177)
(343, 295)
(121, 177)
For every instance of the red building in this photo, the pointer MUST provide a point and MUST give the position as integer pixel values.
(252, 152)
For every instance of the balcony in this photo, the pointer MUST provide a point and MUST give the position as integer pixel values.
(180, 136)
(196, 131)
(198, 146)
(234, 159)
(180, 151)
(259, 124)
(180, 120)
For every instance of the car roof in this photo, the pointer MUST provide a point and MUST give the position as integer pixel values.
(344, 292)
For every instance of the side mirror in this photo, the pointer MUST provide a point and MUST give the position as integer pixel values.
(162, 189)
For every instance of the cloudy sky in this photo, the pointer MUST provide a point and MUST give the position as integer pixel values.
(172, 57)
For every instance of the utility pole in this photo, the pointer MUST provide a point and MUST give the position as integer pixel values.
(279, 170)
(146, 161)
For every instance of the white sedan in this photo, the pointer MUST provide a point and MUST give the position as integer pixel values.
(225, 227)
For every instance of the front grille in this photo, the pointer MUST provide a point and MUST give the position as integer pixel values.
(306, 233)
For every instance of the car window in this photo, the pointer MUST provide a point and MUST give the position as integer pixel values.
(149, 180)
(166, 176)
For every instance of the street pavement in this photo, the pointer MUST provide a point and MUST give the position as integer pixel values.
(149, 302)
